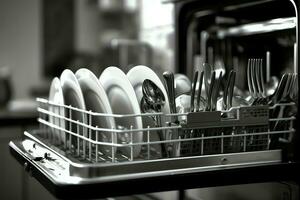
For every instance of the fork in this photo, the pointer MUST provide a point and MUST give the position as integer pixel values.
(256, 82)
(285, 96)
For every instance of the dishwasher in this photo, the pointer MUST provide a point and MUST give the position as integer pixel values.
(255, 139)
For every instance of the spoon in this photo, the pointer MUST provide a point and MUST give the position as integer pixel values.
(169, 80)
(152, 102)
(153, 94)
(182, 84)
(148, 108)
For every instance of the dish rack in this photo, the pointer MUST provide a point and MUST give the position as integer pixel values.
(198, 140)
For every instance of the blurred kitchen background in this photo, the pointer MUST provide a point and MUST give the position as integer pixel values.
(40, 38)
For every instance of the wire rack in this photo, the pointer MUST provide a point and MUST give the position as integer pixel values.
(242, 129)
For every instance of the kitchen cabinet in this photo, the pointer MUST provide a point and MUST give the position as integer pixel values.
(15, 182)
(34, 190)
(12, 174)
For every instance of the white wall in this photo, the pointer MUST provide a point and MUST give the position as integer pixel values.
(20, 43)
(21, 39)
(86, 26)
(157, 28)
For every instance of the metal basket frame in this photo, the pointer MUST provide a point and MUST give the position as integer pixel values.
(202, 137)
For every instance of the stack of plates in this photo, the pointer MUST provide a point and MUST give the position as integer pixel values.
(113, 93)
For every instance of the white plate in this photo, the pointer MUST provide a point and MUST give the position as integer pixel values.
(73, 96)
(56, 97)
(123, 101)
(96, 100)
(136, 76)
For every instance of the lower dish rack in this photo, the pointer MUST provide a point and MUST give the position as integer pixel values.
(69, 151)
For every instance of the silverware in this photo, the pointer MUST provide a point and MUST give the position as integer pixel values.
(183, 84)
(285, 97)
(276, 97)
(232, 143)
(211, 86)
(256, 82)
(271, 81)
(148, 108)
(249, 79)
(259, 78)
(172, 148)
(198, 106)
(215, 92)
(294, 90)
(153, 94)
(283, 111)
(255, 86)
(207, 75)
(152, 101)
(169, 80)
(193, 91)
(260, 82)
(231, 89)
(225, 93)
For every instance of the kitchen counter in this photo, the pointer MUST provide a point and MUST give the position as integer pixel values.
(19, 113)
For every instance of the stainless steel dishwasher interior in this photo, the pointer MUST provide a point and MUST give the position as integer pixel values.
(226, 37)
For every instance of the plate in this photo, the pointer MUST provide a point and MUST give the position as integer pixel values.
(123, 100)
(136, 76)
(56, 97)
(96, 100)
(73, 96)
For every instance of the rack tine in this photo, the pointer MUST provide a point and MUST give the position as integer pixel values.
(70, 127)
(78, 141)
(148, 142)
(97, 148)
